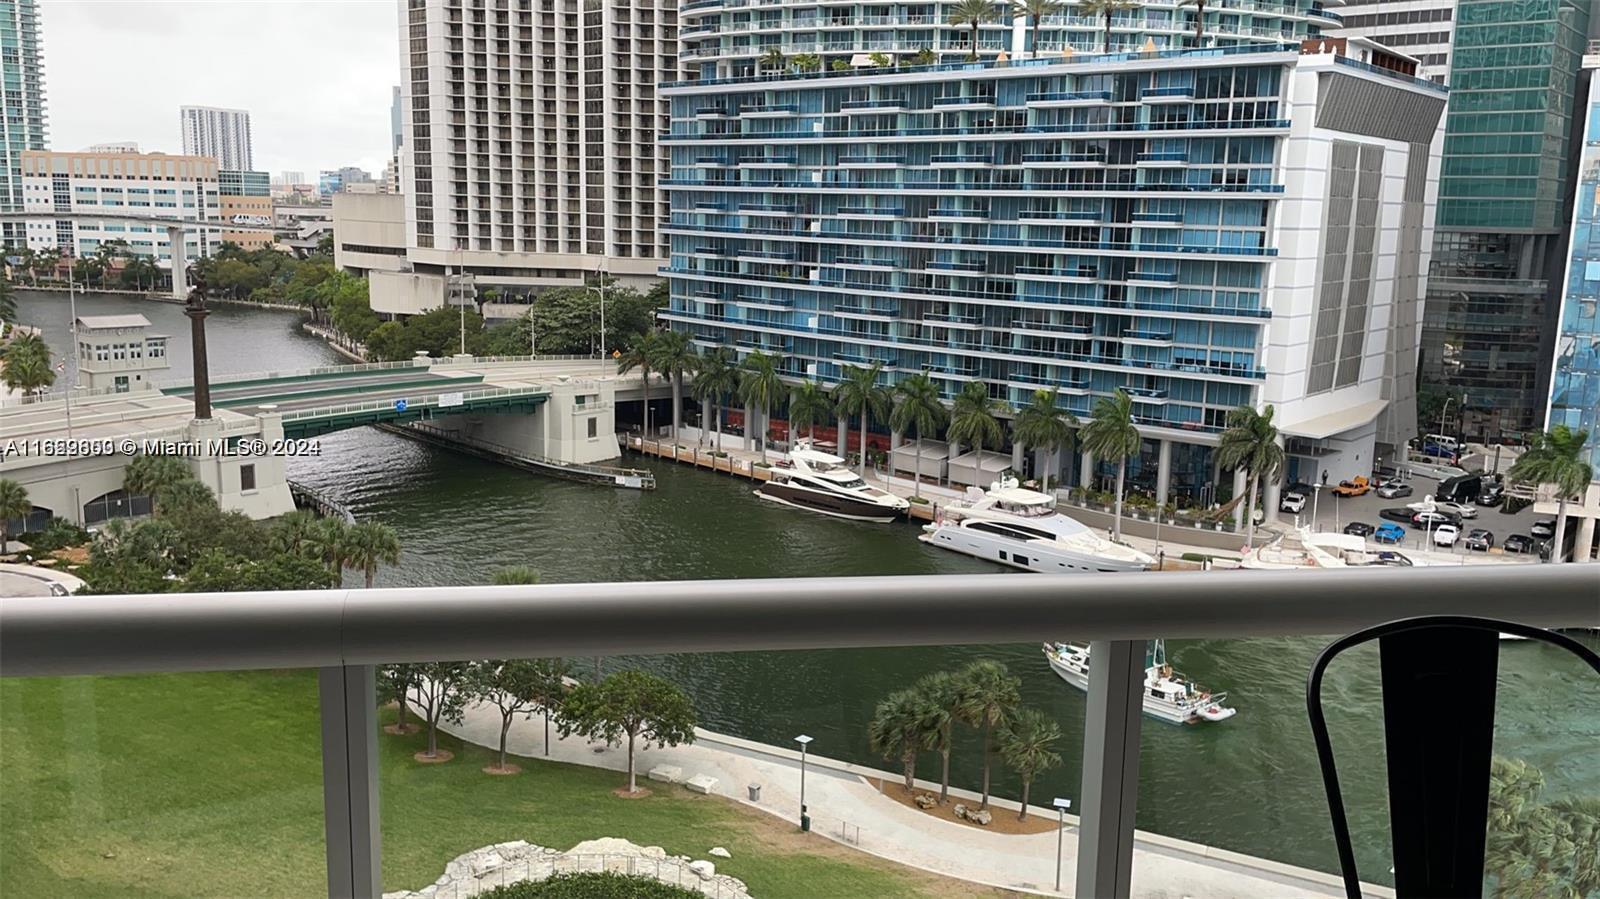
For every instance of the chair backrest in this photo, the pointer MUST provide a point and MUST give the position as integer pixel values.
(1438, 676)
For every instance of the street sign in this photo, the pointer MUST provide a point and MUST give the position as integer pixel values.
(399, 405)
(446, 400)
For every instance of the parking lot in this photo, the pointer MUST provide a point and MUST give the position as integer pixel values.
(1333, 513)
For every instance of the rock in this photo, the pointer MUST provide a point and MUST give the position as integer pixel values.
(666, 773)
(720, 852)
(961, 810)
(653, 852)
(980, 817)
(474, 873)
(924, 800)
(706, 870)
(701, 783)
(484, 862)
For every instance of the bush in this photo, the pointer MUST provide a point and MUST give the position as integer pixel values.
(592, 885)
(920, 499)
(59, 533)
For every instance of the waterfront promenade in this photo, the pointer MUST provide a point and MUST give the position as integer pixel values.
(846, 807)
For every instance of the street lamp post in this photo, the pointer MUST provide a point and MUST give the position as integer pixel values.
(1061, 828)
(805, 820)
(1316, 498)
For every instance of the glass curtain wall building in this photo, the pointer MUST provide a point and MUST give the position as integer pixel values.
(1166, 223)
(1497, 259)
(24, 117)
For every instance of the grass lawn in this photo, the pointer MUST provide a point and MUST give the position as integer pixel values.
(211, 785)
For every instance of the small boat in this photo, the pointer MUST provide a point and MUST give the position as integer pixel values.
(809, 479)
(1302, 549)
(1022, 528)
(1168, 695)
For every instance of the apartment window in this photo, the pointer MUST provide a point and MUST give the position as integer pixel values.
(594, 428)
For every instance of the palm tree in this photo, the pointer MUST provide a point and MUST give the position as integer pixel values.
(895, 731)
(861, 394)
(774, 59)
(943, 693)
(672, 356)
(809, 404)
(972, 417)
(1028, 747)
(148, 475)
(1557, 458)
(513, 575)
(990, 696)
(806, 62)
(924, 57)
(367, 544)
(761, 386)
(715, 378)
(1111, 436)
(26, 365)
(329, 542)
(14, 503)
(1251, 443)
(1035, 10)
(918, 408)
(291, 533)
(1199, 18)
(640, 355)
(8, 302)
(1107, 8)
(973, 13)
(1043, 425)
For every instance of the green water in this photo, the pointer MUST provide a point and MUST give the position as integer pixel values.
(1250, 784)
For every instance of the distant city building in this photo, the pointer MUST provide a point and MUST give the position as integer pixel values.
(222, 134)
(232, 183)
(391, 177)
(125, 146)
(1418, 28)
(396, 122)
(1504, 190)
(333, 181)
(289, 179)
(23, 115)
(136, 184)
(117, 352)
(245, 198)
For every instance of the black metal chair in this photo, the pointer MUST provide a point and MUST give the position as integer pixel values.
(1438, 676)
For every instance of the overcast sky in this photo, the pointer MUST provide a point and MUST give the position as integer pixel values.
(315, 75)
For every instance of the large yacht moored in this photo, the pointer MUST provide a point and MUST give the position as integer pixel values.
(1021, 528)
(814, 480)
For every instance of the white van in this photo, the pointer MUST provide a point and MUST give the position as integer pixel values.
(1441, 445)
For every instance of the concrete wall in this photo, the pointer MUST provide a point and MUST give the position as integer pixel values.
(375, 221)
(559, 430)
(404, 293)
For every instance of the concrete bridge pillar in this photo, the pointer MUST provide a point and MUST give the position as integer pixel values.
(180, 262)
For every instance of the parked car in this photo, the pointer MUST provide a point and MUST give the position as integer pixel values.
(1391, 558)
(1519, 543)
(1544, 528)
(1491, 494)
(1359, 529)
(1480, 540)
(1465, 510)
(1292, 502)
(1355, 487)
(1399, 513)
(1394, 490)
(1389, 532)
(1385, 475)
(1437, 518)
(1446, 535)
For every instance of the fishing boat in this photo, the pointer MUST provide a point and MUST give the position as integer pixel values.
(1167, 694)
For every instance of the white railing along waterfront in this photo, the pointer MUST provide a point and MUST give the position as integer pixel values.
(345, 633)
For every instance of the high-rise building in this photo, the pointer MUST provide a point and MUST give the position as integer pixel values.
(396, 127)
(152, 185)
(289, 179)
(530, 139)
(1419, 28)
(1202, 230)
(1503, 207)
(24, 116)
(222, 134)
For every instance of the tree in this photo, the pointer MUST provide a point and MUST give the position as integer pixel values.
(716, 378)
(973, 13)
(8, 302)
(924, 57)
(774, 59)
(761, 386)
(368, 544)
(509, 686)
(896, 731)
(972, 417)
(806, 62)
(990, 696)
(1557, 458)
(26, 365)
(809, 405)
(1108, 9)
(839, 65)
(861, 394)
(918, 408)
(513, 575)
(149, 475)
(1534, 849)
(1199, 19)
(550, 691)
(1028, 747)
(217, 571)
(328, 540)
(293, 533)
(1112, 436)
(14, 503)
(1035, 10)
(1251, 443)
(395, 683)
(640, 355)
(1044, 425)
(628, 705)
(186, 501)
(674, 355)
(439, 696)
(943, 693)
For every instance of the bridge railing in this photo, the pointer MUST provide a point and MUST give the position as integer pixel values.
(420, 403)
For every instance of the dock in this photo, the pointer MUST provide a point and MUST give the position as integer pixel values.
(611, 476)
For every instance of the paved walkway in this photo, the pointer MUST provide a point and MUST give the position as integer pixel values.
(33, 580)
(845, 807)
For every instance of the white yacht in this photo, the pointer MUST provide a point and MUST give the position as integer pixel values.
(809, 479)
(1022, 528)
(1167, 694)
(1302, 549)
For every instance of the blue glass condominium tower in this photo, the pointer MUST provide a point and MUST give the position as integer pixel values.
(1204, 229)
(23, 117)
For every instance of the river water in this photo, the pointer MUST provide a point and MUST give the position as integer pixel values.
(1251, 784)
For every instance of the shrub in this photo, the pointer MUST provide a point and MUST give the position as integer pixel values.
(920, 499)
(591, 885)
(59, 533)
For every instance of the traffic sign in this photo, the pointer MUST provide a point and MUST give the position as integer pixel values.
(399, 405)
